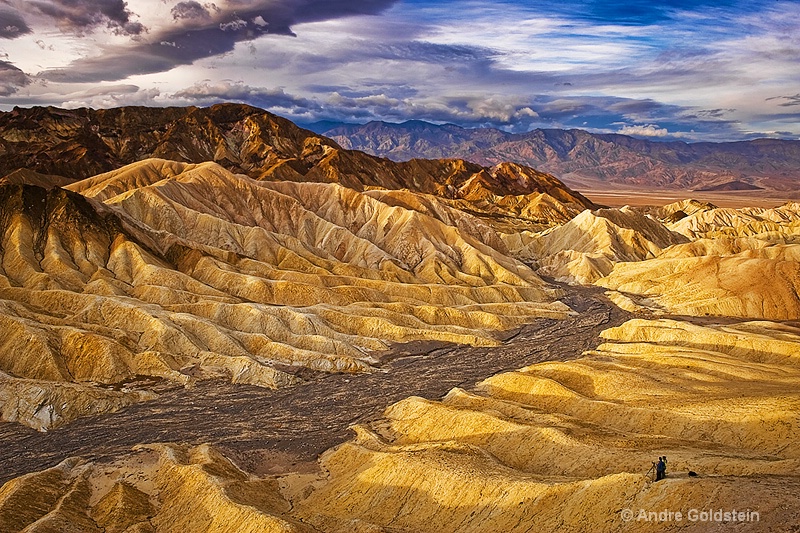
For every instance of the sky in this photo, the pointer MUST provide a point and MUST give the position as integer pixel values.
(702, 70)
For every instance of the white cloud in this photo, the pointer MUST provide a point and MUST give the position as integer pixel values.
(646, 130)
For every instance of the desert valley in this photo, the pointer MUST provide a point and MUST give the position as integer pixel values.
(215, 320)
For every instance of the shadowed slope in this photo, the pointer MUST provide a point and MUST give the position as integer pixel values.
(76, 144)
(194, 273)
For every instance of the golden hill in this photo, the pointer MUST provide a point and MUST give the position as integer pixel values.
(741, 263)
(554, 446)
(266, 250)
(586, 248)
(48, 146)
(186, 272)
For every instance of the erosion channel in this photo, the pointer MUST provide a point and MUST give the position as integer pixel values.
(266, 431)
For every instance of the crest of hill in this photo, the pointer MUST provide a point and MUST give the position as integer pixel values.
(176, 271)
(740, 262)
(552, 446)
(588, 159)
(80, 143)
(587, 247)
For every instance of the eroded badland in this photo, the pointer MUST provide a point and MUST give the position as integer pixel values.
(213, 320)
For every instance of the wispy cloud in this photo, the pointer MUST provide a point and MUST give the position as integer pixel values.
(11, 79)
(788, 101)
(698, 69)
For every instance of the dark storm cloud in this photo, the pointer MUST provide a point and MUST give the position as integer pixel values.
(12, 25)
(209, 93)
(11, 79)
(790, 100)
(192, 10)
(85, 15)
(214, 36)
(146, 58)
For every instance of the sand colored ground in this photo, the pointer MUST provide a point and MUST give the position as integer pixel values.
(689, 257)
(586, 248)
(741, 263)
(614, 196)
(550, 447)
(155, 488)
(188, 272)
(565, 446)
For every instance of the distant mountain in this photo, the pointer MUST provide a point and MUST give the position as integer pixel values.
(49, 146)
(584, 159)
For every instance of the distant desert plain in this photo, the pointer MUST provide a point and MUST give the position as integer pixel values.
(214, 320)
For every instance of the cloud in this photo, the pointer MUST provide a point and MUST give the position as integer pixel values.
(197, 38)
(226, 91)
(647, 130)
(81, 16)
(113, 96)
(233, 25)
(790, 100)
(192, 10)
(12, 25)
(11, 79)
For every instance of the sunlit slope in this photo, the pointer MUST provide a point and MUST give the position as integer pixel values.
(741, 263)
(50, 147)
(565, 446)
(156, 488)
(551, 447)
(187, 272)
(587, 247)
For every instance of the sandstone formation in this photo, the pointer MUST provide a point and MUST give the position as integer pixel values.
(228, 244)
(566, 445)
(554, 446)
(586, 248)
(183, 272)
(77, 144)
(742, 263)
(157, 488)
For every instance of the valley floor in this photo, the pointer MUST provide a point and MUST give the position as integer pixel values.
(647, 197)
(266, 430)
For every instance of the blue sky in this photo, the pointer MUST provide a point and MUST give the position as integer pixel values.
(691, 70)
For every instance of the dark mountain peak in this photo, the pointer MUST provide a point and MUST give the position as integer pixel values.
(48, 143)
(79, 143)
(583, 158)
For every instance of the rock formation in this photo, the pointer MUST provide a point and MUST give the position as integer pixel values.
(50, 145)
(182, 272)
(551, 446)
(588, 160)
(741, 263)
(228, 244)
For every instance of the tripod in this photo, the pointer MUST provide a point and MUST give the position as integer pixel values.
(652, 472)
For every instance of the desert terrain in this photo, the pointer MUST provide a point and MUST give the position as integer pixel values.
(228, 323)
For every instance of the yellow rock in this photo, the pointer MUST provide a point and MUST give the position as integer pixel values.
(162, 266)
(558, 446)
(586, 248)
(156, 488)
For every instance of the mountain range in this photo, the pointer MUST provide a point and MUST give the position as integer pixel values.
(587, 160)
(54, 147)
(197, 305)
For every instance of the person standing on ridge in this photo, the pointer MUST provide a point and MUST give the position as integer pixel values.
(661, 468)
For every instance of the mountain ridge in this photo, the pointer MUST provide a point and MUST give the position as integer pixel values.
(579, 157)
(77, 144)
